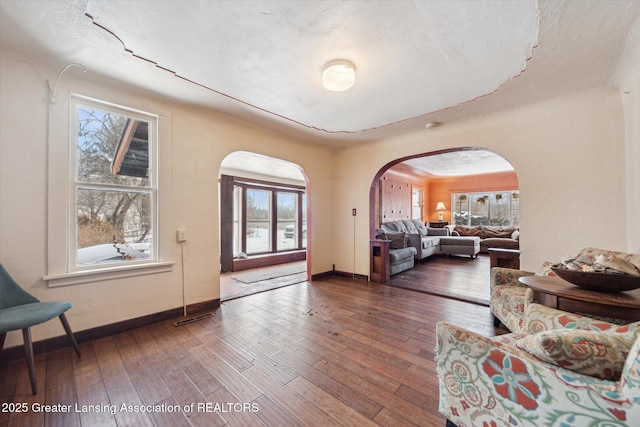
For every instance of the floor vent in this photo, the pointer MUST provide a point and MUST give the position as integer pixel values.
(192, 319)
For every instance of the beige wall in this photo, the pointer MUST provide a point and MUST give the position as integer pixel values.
(577, 160)
(198, 141)
(568, 153)
(627, 80)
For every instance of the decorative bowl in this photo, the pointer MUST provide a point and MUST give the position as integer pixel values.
(595, 281)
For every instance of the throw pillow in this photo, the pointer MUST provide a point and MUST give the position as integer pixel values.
(398, 240)
(545, 269)
(463, 230)
(541, 318)
(592, 353)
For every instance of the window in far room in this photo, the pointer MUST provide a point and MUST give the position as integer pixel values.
(487, 208)
(417, 200)
(268, 217)
(114, 190)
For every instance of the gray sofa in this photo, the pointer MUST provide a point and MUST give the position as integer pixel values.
(401, 255)
(425, 240)
(412, 241)
(401, 259)
(490, 236)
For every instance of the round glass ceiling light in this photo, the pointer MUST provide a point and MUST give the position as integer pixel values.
(339, 75)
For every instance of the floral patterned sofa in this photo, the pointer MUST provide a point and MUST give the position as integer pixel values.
(564, 370)
(508, 297)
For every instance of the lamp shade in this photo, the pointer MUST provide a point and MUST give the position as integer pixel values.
(339, 75)
(440, 207)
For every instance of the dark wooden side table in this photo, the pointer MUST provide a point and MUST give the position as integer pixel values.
(380, 272)
(509, 258)
(554, 292)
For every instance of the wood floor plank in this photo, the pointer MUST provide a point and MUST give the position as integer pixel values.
(233, 411)
(94, 406)
(334, 351)
(225, 351)
(93, 400)
(109, 359)
(266, 362)
(335, 408)
(273, 414)
(24, 395)
(148, 382)
(145, 378)
(122, 393)
(170, 417)
(193, 369)
(153, 352)
(232, 379)
(183, 390)
(338, 388)
(384, 397)
(359, 371)
(387, 417)
(305, 412)
(60, 389)
(396, 351)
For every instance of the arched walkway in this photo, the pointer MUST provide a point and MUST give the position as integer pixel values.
(263, 224)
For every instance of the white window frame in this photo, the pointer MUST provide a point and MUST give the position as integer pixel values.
(487, 193)
(62, 240)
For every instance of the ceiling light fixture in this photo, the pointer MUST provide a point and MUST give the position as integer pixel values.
(339, 75)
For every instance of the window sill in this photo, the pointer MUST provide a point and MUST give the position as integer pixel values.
(101, 274)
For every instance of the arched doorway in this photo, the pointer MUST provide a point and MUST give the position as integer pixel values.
(479, 169)
(263, 223)
(468, 187)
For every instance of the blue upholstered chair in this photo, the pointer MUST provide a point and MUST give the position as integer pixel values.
(20, 310)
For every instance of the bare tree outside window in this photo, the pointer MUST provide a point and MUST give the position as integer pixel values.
(113, 187)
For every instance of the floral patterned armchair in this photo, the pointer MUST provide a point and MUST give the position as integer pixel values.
(509, 298)
(565, 370)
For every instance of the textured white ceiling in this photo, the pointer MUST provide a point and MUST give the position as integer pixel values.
(257, 164)
(450, 164)
(417, 61)
(411, 57)
(459, 163)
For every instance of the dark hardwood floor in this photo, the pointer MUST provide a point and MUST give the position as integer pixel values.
(458, 277)
(330, 352)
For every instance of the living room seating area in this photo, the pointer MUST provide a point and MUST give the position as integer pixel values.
(509, 297)
(555, 367)
(425, 241)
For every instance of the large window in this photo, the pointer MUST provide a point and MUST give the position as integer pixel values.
(287, 213)
(488, 208)
(258, 221)
(114, 189)
(268, 218)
